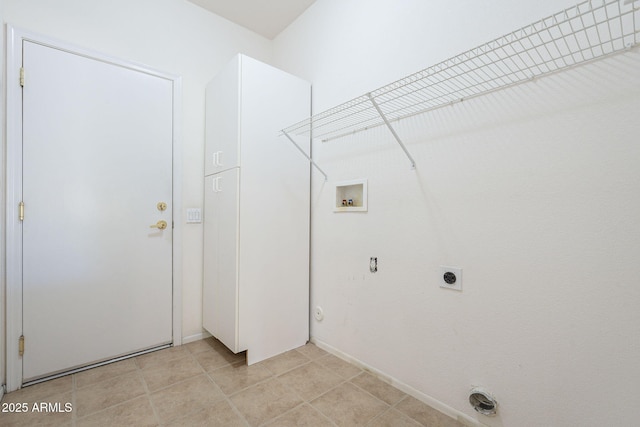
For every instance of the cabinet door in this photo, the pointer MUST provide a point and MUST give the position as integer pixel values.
(220, 288)
(223, 120)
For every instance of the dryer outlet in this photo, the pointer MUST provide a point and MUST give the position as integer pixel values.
(451, 278)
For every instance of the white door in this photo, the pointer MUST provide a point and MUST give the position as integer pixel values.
(97, 160)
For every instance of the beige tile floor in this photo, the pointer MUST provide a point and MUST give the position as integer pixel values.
(204, 384)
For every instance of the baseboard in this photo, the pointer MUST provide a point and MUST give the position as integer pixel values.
(196, 337)
(434, 403)
(1, 391)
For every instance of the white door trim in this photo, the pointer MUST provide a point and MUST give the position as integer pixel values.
(15, 37)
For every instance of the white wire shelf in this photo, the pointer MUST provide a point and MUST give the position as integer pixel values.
(585, 32)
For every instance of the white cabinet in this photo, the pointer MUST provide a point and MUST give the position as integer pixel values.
(256, 213)
(220, 292)
(223, 120)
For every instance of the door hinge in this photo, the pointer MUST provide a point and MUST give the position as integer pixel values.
(21, 211)
(21, 346)
(22, 76)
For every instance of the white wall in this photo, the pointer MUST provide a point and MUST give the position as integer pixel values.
(346, 48)
(170, 35)
(533, 191)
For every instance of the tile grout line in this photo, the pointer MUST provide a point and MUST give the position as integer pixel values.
(235, 409)
(376, 397)
(323, 394)
(308, 402)
(276, 377)
(230, 395)
(147, 392)
(349, 380)
(74, 389)
(194, 411)
(356, 386)
(289, 370)
(244, 388)
(395, 406)
(378, 416)
(273, 376)
(272, 420)
(227, 398)
(203, 373)
(102, 409)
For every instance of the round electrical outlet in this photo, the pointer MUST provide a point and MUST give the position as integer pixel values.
(449, 277)
(318, 313)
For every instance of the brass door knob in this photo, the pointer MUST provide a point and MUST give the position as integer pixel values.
(160, 225)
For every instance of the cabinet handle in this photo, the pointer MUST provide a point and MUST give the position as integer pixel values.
(216, 185)
(216, 158)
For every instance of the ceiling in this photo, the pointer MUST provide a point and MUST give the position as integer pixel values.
(267, 18)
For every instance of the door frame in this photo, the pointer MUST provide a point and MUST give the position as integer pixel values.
(13, 226)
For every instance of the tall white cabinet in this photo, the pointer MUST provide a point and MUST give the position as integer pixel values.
(256, 212)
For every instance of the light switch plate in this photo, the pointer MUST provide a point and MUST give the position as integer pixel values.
(194, 216)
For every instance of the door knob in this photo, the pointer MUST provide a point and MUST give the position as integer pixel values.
(160, 225)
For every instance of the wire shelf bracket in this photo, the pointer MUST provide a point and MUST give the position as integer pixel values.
(305, 155)
(588, 31)
(393, 132)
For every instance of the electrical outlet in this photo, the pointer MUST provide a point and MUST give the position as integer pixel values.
(451, 278)
(373, 264)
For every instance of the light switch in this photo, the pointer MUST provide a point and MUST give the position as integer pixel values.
(194, 216)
